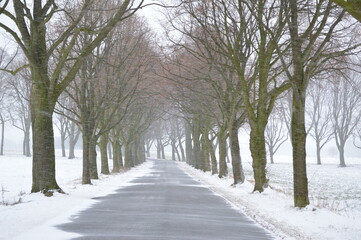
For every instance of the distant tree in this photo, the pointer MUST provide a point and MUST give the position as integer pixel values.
(20, 111)
(3, 111)
(346, 113)
(319, 110)
(73, 136)
(275, 134)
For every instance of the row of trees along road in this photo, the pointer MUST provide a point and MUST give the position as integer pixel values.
(227, 65)
(62, 41)
(233, 60)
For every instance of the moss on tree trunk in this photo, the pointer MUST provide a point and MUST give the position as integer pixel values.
(259, 157)
(298, 134)
(43, 142)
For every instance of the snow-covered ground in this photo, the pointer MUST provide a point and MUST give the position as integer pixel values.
(33, 216)
(334, 212)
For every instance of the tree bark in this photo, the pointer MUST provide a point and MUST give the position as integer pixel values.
(259, 157)
(213, 156)
(116, 156)
(298, 131)
(93, 158)
(222, 144)
(189, 147)
(103, 146)
(198, 158)
(128, 158)
(179, 137)
(238, 174)
(86, 142)
(42, 109)
(206, 152)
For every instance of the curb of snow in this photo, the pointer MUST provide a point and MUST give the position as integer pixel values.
(281, 229)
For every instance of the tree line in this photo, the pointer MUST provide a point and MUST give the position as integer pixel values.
(226, 64)
(238, 63)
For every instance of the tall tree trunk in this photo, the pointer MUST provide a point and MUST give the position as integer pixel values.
(189, 147)
(178, 154)
(206, 152)
(110, 151)
(120, 159)
(341, 150)
(135, 152)
(42, 109)
(62, 139)
(116, 156)
(298, 132)
(213, 156)
(259, 157)
(27, 143)
(227, 152)
(93, 168)
(103, 147)
(238, 174)
(128, 160)
(179, 137)
(159, 148)
(222, 144)
(162, 150)
(198, 158)
(174, 147)
(271, 154)
(86, 143)
(73, 139)
(149, 144)
(318, 152)
(142, 151)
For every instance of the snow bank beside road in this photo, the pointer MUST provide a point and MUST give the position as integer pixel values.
(274, 210)
(36, 215)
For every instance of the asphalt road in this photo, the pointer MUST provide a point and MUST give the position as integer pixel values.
(166, 205)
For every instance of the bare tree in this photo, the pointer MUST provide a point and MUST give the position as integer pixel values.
(311, 49)
(346, 113)
(275, 134)
(320, 111)
(73, 136)
(3, 111)
(20, 112)
(62, 124)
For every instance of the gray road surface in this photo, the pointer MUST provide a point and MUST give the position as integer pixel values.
(166, 205)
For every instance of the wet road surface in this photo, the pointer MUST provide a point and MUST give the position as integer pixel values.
(165, 205)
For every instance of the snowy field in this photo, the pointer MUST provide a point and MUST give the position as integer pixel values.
(335, 195)
(334, 212)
